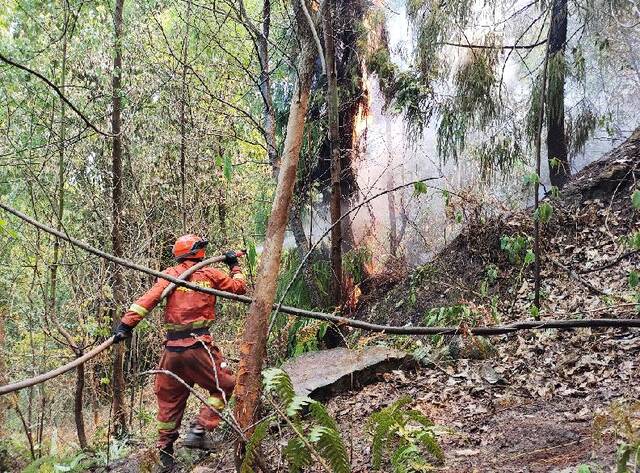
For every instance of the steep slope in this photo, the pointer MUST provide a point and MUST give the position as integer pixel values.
(536, 401)
(591, 219)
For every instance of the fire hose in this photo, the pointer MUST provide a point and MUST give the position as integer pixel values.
(332, 318)
(107, 343)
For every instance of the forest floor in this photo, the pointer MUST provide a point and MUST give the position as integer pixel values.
(532, 401)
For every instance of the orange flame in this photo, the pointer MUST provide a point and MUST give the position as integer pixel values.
(352, 292)
(361, 119)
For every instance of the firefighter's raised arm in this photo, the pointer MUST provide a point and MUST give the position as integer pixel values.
(139, 310)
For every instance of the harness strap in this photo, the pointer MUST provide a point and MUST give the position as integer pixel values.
(189, 333)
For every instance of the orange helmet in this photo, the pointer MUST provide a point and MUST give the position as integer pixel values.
(189, 247)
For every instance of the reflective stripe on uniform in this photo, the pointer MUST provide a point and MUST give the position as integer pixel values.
(138, 309)
(166, 425)
(181, 327)
(215, 402)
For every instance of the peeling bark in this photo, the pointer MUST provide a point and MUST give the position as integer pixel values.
(254, 340)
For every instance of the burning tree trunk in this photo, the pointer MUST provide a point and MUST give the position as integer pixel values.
(391, 200)
(254, 340)
(119, 413)
(556, 140)
(334, 147)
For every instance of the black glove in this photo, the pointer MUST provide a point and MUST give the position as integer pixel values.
(231, 259)
(121, 332)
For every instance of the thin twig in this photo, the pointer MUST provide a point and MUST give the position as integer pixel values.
(58, 92)
(314, 33)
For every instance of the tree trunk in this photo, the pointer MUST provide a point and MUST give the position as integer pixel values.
(183, 128)
(559, 170)
(253, 345)
(4, 406)
(265, 87)
(78, 406)
(119, 411)
(334, 153)
(52, 309)
(391, 199)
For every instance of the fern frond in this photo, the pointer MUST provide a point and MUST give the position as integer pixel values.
(419, 418)
(297, 404)
(385, 423)
(402, 458)
(428, 440)
(330, 446)
(278, 381)
(320, 414)
(252, 446)
(297, 455)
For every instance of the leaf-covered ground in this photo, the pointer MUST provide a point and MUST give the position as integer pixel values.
(533, 401)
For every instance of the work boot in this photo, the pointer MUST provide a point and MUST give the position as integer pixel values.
(200, 439)
(167, 459)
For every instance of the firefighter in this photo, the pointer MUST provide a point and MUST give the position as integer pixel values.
(189, 349)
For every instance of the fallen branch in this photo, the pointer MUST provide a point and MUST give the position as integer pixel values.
(359, 324)
(573, 275)
(41, 378)
(610, 263)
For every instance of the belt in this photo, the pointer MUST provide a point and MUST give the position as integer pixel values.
(189, 333)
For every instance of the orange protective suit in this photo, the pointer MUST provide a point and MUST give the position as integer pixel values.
(189, 349)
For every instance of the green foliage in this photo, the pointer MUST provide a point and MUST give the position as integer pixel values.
(419, 188)
(555, 87)
(580, 129)
(419, 275)
(52, 464)
(622, 420)
(452, 315)
(320, 429)
(635, 199)
(251, 448)
(543, 212)
(304, 336)
(299, 294)
(405, 437)
(445, 316)
(633, 240)
(518, 248)
(498, 153)
(491, 274)
(531, 179)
